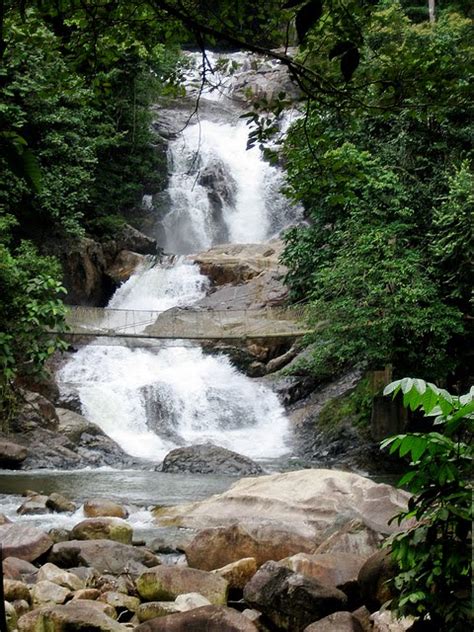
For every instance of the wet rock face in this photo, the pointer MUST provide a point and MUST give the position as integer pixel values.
(85, 264)
(37, 411)
(221, 191)
(260, 77)
(12, 455)
(59, 438)
(103, 555)
(125, 264)
(24, 542)
(209, 618)
(290, 600)
(238, 263)
(209, 459)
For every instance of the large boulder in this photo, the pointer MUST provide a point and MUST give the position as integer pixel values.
(329, 568)
(260, 78)
(209, 459)
(77, 615)
(385, 621)
(208, 618)
(35, 504)
(165, 583)
(13, 590)
(73, 426)
(121, 602)
(103, 529)
(189, 601)
(237, 263)
(52, 573)
(12, 455)
(237, 574)
(105, 556)
(265, 289)
(46, 592)
(36, 411)
(153, 609)
(292, 512)
(98, 507)
(65, 441)
(129, 238)
(337, 622)
(24, 542)
(291, 601)
(375, 579)
(84, 263)
(59, 503)
(45, 384)
(125, 264)
(15, 568)
(353, 537)
(219, 546)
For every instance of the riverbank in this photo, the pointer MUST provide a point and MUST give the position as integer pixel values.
(321, 532)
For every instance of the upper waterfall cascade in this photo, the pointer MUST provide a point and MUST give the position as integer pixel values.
(150, 401)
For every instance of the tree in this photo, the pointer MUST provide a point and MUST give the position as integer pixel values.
(31, 306)
(434, 557)
(384, 183)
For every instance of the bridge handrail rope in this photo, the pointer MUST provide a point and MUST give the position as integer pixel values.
(190, 322)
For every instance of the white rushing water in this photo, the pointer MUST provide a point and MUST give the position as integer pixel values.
(152, 400)
(221, 192)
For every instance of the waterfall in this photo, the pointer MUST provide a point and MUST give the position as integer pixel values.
(151, 400)
(219, 191)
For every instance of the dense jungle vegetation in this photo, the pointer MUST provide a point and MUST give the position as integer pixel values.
(381, 160)
(383, 166)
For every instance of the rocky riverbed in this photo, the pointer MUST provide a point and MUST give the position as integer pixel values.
(286, 552)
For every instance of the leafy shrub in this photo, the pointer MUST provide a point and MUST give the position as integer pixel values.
(434, 557)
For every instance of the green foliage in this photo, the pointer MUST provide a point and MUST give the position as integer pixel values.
(51, 108)
(354, 408)
(31, 305)
(434, 556)
(453, 236)
(383, 169)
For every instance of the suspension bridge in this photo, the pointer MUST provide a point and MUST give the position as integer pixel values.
(186, 323)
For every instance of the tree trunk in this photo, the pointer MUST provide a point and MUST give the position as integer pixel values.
(431, 10)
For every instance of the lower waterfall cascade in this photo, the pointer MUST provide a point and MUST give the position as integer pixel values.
(151, 400)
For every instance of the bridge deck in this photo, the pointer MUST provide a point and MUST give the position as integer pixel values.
(186, 323)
